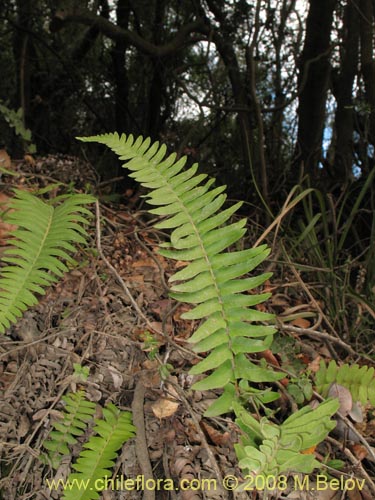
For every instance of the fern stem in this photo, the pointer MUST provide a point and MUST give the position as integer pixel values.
(140, 439)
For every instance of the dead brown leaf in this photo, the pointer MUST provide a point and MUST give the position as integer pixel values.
(359, 451)
(301, 323)
(144, 263)
(164, 408)
(217, 437)
(5, 160)
(314, 366)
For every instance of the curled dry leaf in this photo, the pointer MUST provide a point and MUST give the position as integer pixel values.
(344, 396)
(116, 377)
(301, 323)
(217, 437)
(359, 451)
(44, 412)
(164, 408)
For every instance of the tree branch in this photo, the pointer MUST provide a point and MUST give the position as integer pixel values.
(107, 28)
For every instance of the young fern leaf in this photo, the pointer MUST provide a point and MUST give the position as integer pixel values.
(98, 457)
(268, 450)
(358, 379)
(212, 281)
(77, 413)
(41, 241)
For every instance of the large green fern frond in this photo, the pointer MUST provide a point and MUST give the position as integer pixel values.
(40, 244)
(211, 280)
(98, 457)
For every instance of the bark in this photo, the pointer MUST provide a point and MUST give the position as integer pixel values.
(158, 84)
(91, 34)
(107, 28)
(275, 130)
(241, 94)
(120, 71)
(343, 91)
(21, 49)
(314, 68)
(367, 61)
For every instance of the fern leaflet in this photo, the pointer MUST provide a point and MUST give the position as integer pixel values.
(210, 281)
(40, 242)
(270, 450)
(78, 411)
(358, 379)
(98, 457)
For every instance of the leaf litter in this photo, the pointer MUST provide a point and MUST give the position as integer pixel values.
(86, 318)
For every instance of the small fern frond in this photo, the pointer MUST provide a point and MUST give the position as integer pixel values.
(211, 281)
(98, 457)
(43, 238)
(77, 413)
(269, 450)
(358, 379)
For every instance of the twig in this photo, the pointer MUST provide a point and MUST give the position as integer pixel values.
(356, 463)
(167, 472)
(161, 270)
(140, 439)
(127, 291)
(320, 335)
(205, 444)
(324, 336)
(113, 270)
(308, 293)
(23, 345)
(359, 436)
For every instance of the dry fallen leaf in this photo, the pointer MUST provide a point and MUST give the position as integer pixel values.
(164, 408)
(301, 323)
(23, 426)
(359, 451)
(144, 263)
(30, 160)
(5, 159)
(314, 366)
(5, 228)
(217, 437)
(344, 396)
(116, 377)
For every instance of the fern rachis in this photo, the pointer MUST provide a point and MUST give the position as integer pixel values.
(212, 282)
(40, 244)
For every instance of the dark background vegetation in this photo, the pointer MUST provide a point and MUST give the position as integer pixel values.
(265, 94)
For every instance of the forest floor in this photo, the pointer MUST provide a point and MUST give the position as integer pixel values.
(112, 314)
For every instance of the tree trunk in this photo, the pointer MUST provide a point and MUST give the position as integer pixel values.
(119, 70)
(368, 63)
(21, 55)
(314, 74)
(343, 91)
